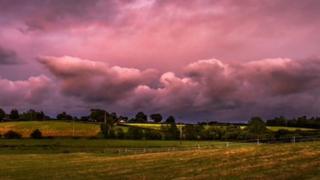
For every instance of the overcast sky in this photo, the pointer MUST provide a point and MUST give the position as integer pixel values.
(199, 60)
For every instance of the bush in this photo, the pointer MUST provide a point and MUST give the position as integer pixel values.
(134, 133)
(36, 134)
(152, 134)
(12, 135)
(119, 133)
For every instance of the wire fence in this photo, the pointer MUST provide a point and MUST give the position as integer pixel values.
(222, 145)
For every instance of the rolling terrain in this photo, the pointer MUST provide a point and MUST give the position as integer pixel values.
(278, 161)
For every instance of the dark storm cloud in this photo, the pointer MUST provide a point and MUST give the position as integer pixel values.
(8, 57)
(167, 35)
(46, 15)
(94, 81)
(207, 86)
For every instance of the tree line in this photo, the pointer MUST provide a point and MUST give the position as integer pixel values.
(99, 115)
(303, 121)
(95, 115)
(255, 129)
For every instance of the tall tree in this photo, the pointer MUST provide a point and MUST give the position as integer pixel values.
(257, 126)
(141, 117)
(156, 117)
(14, 114)
(64, 116)
(98, 114)
(2, 114)
(170, 120)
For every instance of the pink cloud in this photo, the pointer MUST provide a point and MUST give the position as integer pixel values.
(103, 38)
(34, 90)
(95, 81)
(206, 86)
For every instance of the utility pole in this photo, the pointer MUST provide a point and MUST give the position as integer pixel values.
(180, 128)
(105, 118)
(73, 128)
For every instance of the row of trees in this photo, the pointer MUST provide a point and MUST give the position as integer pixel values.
(256, 129)
(303, 121)
(28, 115)
(97, 115)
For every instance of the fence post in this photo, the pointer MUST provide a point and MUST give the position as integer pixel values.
(293, 139)
(227, 144)
(258, 141)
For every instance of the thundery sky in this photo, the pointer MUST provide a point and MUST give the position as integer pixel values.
(221, 60)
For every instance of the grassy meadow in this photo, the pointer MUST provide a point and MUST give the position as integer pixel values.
(79, 129)
(51, 128)
(111, 147)
(89, 157)
(277, 161)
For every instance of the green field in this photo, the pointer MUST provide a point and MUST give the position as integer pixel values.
(78, 129)
(248, 161)
(88, 158)
(107, 147)
(51, 128)
(158, 126)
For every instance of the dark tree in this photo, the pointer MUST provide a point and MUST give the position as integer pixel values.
(12, 135)
(98, 115)
(141, 117)
(134, 133)
(36, 134)
(256, 126)
(14, 115)
(170, 120)
(156, 117)
(107, 128)
(40, 115)
(193, 132)
(64, 116)
(29, 115)
(2, 114)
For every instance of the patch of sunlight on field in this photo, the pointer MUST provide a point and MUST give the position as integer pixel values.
(51, 128)
(158, 126)
(278, 161)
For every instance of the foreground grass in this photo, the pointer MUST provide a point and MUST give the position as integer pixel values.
(279, 161)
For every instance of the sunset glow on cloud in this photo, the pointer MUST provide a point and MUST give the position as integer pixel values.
(202, 60)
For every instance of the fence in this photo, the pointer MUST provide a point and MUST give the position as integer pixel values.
(222, 145)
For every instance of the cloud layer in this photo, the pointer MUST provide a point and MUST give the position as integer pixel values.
(32, 91)
(205, 88)
(158, 55)
(8, 57)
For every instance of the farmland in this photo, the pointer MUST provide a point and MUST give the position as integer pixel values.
(287, 161)
(88, 156)
(158, 127)
(79, 129)
(110, 147)
(52, 128)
